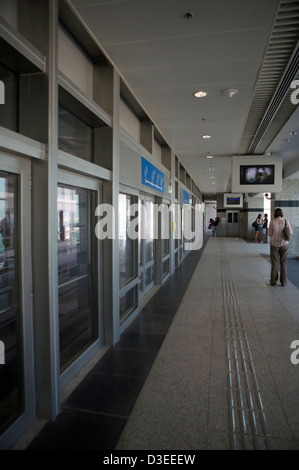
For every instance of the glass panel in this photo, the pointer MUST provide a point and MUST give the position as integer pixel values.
(149, 275)
(74, 136)
(148, 232)
(140, 282)
(165, 267)
(8, 111)
(126, 244)
(165, 247)
(140, 240)
(229, 218)
(236, 218)
(11, 372)
(127, 303)
(77, 286)
(165, 230)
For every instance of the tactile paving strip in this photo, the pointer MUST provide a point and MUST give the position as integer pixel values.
(248, 424)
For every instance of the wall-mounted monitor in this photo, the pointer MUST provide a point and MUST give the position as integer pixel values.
(232, 201)
(256, 174)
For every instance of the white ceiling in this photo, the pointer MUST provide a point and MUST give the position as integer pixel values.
(165, 58)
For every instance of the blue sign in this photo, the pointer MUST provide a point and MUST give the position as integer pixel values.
(151, 176)
(186, 197)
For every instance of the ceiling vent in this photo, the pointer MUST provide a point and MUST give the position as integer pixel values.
(278, 97)
(277, 72)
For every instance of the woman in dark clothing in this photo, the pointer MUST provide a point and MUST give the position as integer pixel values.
(265, 229)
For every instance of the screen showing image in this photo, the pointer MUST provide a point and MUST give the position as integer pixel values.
(257, 174)
(233, 201)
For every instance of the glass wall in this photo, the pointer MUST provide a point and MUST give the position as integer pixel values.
(165, 231)
(146, 246)
(127, 256)
(77, 254)
(11, 372)
(127, 259)
(9, 113)
(74, 136)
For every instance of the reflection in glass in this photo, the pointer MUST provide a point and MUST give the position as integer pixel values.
(11, 373)
(127, 304)
(77, 286)
(140, 282)
(165, 231)
(9, 110)
(74, 136)
(149, 275)
(126, 243)
(148, 231)
(165, 267)
(146, 245)
(140, 233)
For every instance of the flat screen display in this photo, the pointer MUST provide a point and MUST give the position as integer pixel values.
(256, 174)
(233, 201)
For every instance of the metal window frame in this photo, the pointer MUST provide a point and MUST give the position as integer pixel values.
(22, 167)
(75, 180)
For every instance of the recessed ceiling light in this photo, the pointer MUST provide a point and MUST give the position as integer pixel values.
(200, 94)
(293, 133)
(210, 156)
(230, 92)
(188, 15)
(206, 136)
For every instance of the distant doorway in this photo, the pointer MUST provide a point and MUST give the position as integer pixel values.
(232, 223)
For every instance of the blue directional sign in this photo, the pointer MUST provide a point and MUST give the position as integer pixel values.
(151, 176)
(186, 197)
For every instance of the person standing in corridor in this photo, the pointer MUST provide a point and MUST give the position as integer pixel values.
(265, 229)
(258, 227)
(278, 247)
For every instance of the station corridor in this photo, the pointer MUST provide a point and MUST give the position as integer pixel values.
(206, 365)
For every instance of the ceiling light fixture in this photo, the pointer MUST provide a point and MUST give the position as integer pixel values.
(206, 136)
(230, 92)
(188, 15)
(200, 94)
(293, 133)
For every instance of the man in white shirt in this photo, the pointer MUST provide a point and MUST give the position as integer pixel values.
(278, 247)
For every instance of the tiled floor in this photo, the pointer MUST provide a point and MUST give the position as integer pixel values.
(223, 378)
(95, 414)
